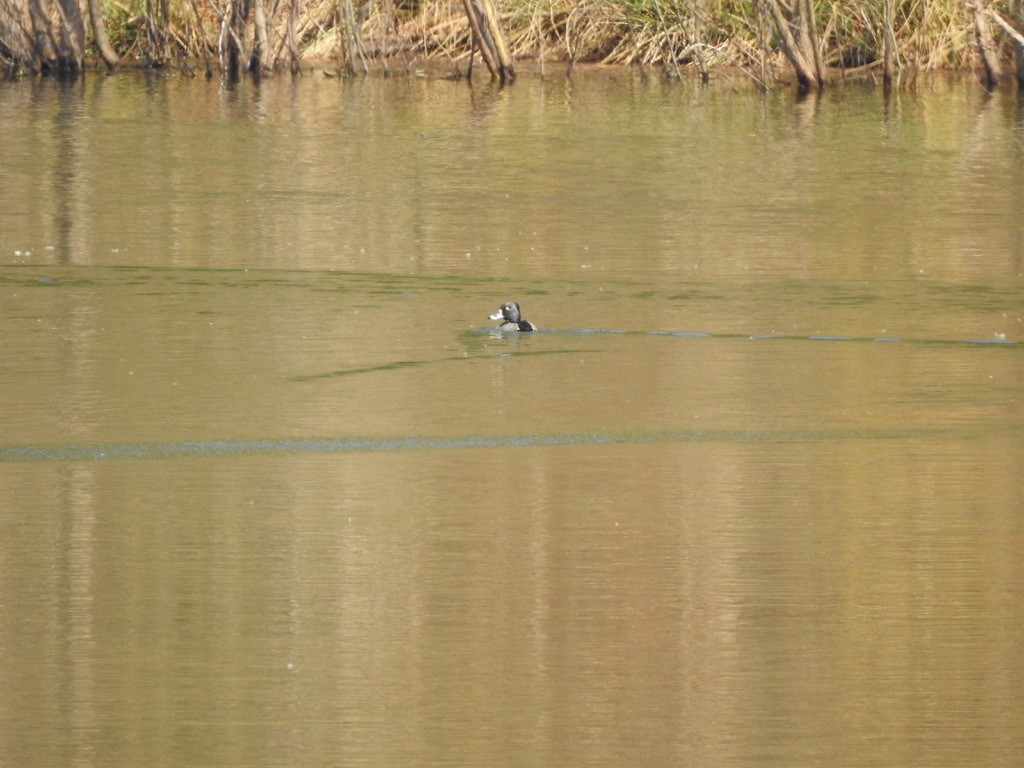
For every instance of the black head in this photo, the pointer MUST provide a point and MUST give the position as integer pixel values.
(509, 312)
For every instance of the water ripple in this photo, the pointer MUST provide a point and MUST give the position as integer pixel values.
(215, 448)
(998, 340)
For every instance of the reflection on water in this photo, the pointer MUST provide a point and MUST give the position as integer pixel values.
(609, 174)
(273, 493)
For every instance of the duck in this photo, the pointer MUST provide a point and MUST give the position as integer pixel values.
(511, 316)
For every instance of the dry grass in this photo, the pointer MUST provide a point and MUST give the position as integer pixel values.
(672, 34)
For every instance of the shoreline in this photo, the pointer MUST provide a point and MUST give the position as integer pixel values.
(769, 42)
(434, 68)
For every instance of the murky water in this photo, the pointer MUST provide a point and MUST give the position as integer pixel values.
(273, 495)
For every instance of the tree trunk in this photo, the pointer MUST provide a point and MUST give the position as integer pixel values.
(157, 31)
(889, 44)
(1018, 45)
(696, 10)
(71, 45)
(200, 38)
(506, 73)
(18, 39)
(99, 35)
(293, 43)
(355, 54)
(261, 45)
(810, 40)
(483, 18)
(801, 48)
(1016, 37)
(44, 45)
(233, 36)
(992, 71)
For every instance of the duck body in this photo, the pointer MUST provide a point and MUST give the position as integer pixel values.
(512, 319)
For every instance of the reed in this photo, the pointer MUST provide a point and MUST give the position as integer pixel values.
(674, 35)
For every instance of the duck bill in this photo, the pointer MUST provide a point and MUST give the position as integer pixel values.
(496, 316)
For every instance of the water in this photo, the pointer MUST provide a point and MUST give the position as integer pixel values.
(273, 494)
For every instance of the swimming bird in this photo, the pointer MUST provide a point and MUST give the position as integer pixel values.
(509, 313)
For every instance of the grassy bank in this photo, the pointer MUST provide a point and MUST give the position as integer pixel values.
(676, 35)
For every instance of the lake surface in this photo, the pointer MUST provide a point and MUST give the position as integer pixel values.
(271, 493)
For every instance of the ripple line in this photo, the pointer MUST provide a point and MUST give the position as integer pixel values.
(281, 446)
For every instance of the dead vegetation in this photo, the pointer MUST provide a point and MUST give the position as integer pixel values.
(814, 39)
